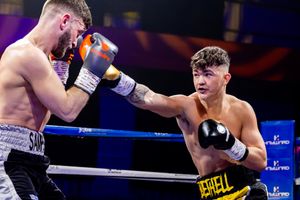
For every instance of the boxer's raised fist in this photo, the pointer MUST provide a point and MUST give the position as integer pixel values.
(97, 53)
(211, 132)
(61, 65)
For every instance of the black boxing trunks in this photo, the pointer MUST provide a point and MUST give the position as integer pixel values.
(23, 166)
(235, 182)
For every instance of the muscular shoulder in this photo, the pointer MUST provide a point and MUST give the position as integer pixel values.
(181, 97)
(25, 58)
(193, 96)
(184, 99)
(238, 106)
(190, 102)
(183, 102)
(21, 49)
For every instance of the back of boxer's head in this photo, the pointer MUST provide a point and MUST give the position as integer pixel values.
(78, 7)
(210, 56)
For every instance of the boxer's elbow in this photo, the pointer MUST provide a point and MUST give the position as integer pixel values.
(264, 161)
(262, 164)
(258, 166)
(69, 118)
(257, 160)
(67, 115)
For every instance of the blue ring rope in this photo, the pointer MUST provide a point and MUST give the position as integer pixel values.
(111, 133)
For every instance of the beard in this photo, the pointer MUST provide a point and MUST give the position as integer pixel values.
(63, 44)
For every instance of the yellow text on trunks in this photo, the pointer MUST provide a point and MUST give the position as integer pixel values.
(214, 186)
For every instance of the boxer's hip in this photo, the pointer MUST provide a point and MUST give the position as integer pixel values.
(231, 182)
(22, 139)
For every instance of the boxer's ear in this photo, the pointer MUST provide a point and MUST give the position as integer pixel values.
(227, 77)
(65, 20)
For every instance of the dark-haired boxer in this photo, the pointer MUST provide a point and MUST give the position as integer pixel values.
(220, 130)
(32, 88)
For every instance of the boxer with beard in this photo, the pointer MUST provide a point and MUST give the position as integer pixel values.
(33, 72)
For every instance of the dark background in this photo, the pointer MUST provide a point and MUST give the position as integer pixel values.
(262, 22)
(205, 19)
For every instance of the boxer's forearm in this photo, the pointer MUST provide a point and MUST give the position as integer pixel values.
(138, 96)
(71, 106)
(144, 98)
(256, 159)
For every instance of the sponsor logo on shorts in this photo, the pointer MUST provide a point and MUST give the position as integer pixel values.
(213, 186)
(37, 142)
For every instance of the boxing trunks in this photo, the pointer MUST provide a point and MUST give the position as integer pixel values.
(235, 182)
(23, 166)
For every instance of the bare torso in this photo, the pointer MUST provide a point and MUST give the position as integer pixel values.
(208, 160)
(18, 103)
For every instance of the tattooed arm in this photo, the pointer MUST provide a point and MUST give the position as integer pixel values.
(144, 98)
(141, 96)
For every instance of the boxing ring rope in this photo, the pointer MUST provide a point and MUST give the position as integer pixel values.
(95, 132)
(122, 174)
(117, 173)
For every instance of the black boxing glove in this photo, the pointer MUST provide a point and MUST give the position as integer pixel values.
(213, 133)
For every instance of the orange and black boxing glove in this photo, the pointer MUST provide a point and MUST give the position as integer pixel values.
(61, 65)
(97, 53)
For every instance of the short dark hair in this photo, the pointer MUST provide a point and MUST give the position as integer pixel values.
(210, 56)
(78, 7)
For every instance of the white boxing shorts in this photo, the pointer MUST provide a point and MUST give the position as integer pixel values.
(23, 166)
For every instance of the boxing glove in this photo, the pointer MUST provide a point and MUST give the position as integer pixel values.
(97, 53)
(211, 132)
(118, 82)
(61, 65)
